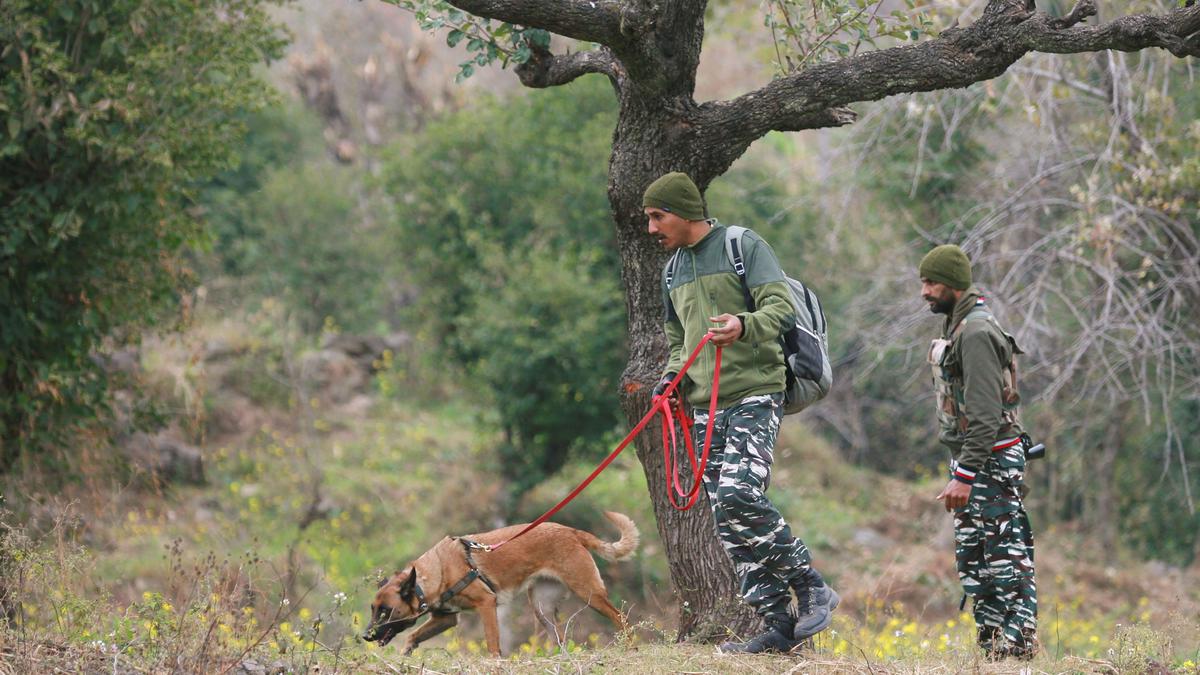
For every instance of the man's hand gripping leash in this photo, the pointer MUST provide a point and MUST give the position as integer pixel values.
(659, 405)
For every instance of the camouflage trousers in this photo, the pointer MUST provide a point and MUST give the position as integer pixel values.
(765, 554)
(994, 554)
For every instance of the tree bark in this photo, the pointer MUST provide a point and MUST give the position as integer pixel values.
(649, 141)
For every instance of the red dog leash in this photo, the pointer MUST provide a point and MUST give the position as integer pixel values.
(659, 406)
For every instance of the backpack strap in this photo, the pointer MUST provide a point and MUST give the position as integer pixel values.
(819, 323)
(733, 251)
(669, 270)
(668, 277)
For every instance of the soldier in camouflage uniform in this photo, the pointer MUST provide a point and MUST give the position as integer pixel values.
(974, 373)
(705, 295)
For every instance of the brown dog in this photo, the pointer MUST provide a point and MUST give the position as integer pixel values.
(456, 574)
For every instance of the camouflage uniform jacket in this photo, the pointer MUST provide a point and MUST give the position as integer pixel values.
(705, 285)
(975, 376)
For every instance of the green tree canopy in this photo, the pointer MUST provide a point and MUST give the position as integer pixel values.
(112, 112)
(503, 223)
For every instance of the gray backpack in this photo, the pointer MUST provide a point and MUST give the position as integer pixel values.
(805, 344)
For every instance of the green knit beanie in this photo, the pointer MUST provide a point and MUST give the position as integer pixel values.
(675, 193)
(947, 264)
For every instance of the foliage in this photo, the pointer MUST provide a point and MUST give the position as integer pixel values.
(112, 112)
(290, 225)
(516, 264)
(307, 245)
(1087, 247)
(276, 137)
(548, 329)
(488, 41)
(805, 33)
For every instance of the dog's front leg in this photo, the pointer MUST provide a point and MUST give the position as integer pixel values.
(436, 624)
(491, 625)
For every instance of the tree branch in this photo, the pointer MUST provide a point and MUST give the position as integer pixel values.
(544, 69)
(1005, 32)
(722, 132)
(600, 21)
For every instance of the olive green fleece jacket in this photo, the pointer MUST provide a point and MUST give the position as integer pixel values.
(705, 285)
(977, 360)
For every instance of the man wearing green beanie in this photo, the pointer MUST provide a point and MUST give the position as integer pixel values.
(703, 295)
(974, 376)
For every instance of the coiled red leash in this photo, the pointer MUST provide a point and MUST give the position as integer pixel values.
(685, 424)
(659, 406)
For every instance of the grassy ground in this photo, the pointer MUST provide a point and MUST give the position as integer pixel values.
(275, 559)
(617, 658)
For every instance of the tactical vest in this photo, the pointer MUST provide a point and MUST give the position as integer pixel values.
(948, 377)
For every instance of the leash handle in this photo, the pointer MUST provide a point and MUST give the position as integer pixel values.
(654, 410)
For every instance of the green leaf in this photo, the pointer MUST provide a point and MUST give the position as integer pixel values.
(456, 36)
(538, 37)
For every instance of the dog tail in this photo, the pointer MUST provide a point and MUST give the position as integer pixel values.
(615, 550)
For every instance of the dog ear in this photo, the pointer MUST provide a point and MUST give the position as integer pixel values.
(409, 585)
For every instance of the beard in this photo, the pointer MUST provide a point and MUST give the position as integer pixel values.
(942, 305)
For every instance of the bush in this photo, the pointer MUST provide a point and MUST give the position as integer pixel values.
(112, 111)
(548, 338)
(503, 223)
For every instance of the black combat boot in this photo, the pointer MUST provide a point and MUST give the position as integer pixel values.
(999, 647)
(776, 639)
(988, 637)
(816, 604)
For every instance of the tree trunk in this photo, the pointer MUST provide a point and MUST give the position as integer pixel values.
(701, 572)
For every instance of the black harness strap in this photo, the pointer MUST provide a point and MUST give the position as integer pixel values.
(448, 595)
(468, 545)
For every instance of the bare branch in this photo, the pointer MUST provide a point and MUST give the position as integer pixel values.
(549, 70)
(1063, 79)
(1005, 32)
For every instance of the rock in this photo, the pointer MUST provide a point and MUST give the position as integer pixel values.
(219, 350)
(127, 361)
(250, 667)
(870, 539)
(397, 341)
(333, 373)
(233, 414)
(366, 350)
(357, 346)
(168, 459)
(358, 407)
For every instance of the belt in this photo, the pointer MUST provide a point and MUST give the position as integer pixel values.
(956, 469)
(1006, 444)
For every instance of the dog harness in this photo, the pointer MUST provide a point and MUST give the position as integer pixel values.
(471, 576)
(440, 606)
